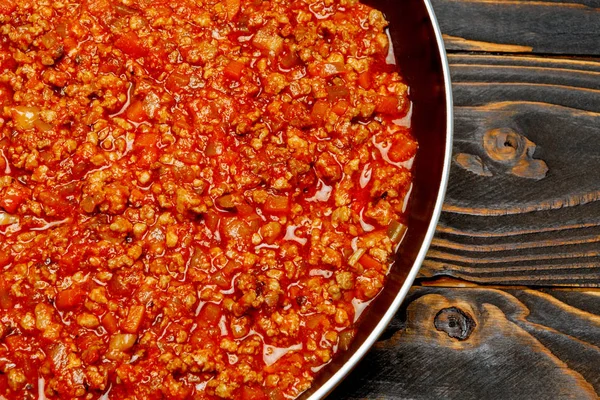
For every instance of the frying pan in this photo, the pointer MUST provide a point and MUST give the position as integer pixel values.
(421, 60)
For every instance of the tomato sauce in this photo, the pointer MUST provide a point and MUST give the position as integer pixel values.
(198, 199)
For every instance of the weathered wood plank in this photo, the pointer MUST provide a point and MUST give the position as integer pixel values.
(474, 343)
(522, 205)
(552, 27)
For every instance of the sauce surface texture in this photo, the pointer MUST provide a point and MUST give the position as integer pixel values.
(198, 199)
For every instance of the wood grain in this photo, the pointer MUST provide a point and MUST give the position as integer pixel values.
(522, 205)
(549, 27)
(524, 344)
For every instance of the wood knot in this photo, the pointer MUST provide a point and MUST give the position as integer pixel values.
(507, 152)
(455, 322)
(514, 151)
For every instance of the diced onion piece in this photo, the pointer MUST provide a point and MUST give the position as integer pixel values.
(122, 341)
(8, 219)
(235, 229)
(220, 280)
(61, 29)
(25, 117)
(42, 126)
(146, 139)
(346, 338)
(356, 256)
(396, 231)
(124, 10)
(212, 220)
(331, 69)
(271, 231)
(226, 201)
(49, 40)
(269, 41)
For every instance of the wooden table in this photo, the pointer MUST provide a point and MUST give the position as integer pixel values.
(507, 305)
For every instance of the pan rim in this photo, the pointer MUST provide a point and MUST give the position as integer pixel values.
(337, 377)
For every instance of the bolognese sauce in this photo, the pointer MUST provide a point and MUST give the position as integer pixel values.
(198, 198)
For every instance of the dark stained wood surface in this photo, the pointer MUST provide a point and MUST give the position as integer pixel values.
(523, 344)
(507, 305)
(522, 205)
(521, 26)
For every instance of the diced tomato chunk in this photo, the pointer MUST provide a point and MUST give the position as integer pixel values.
(111, 65)
(290, 60)
(234, 70)
(68, 298)
(146, 140)
(211, 220)
(369, 262)
(16, 342)
(387, 105)
(7, 62)
(275, 394)
(277, 205)
(147, 156)
(335, 93)
(131, 45)
(5, 257)
(210, 314)
(6, 301)
(135, 112)
(7, 7)
(232, 7)
(319, 110)
(134, 318)
(315, 320)
(402, 149)
(253, 393)
(176, 82)
(11, 200)
(340, 107)
(109, 322)
(365, 79)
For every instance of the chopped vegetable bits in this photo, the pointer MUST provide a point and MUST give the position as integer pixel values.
(198, 199)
